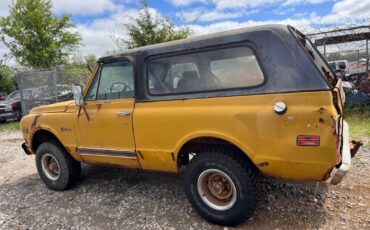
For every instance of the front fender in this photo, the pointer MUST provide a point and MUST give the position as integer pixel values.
(59, 125)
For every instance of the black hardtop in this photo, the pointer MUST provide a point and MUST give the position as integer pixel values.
(286, 65)
(193, 42)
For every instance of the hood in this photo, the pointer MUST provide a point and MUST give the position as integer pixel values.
(53, 108)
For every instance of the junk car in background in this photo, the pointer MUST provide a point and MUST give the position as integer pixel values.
(357, 90)
(10, 108)
(2, 96)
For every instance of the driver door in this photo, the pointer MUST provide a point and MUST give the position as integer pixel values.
(104, 124)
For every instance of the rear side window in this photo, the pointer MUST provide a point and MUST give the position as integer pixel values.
(226, 68)
(177, 71)
(238, 68)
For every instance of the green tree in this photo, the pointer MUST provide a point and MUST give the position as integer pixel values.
(76, 71)
(36, 37)
(147, 29)
(7, 83)
(91, 60)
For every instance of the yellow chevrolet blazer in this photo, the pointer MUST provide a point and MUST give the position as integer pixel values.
(224, 109)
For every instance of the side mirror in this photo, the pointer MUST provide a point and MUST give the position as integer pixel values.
(78, 95)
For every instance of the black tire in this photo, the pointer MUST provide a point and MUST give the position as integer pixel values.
(69, 168)
(243, 175)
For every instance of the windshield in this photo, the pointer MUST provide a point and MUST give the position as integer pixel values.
(14, 96)
(317, 58)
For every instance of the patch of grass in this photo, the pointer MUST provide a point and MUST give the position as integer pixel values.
(359, 161)
(359, 122)
(10, 126)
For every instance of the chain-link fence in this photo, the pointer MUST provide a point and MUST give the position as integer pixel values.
(42, 87)
(357, 59)
(348, 44)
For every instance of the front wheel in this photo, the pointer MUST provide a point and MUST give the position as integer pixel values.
(57, 169)
(221, 186)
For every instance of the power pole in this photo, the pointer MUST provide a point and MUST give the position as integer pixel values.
(367, 55)
(358, 56)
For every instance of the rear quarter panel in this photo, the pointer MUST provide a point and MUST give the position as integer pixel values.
(249, 122)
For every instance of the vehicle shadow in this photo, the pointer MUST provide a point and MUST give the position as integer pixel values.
(116, 198)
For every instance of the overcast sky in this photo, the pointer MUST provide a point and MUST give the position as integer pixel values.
(98, 20)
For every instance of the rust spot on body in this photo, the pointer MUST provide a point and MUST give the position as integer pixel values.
(141, 155)
(98, 106)
(173, 156)
(34, 123)
(321, 110)
(87, 115)
(263, 164)
(321, 120)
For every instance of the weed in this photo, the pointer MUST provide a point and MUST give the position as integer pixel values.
(10, 126)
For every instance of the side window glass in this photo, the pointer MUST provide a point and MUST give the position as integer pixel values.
(155, 71)
(116, 81)
(168, 76)
(175, 77)
(226, 68)
(236, 67)
(91, 95)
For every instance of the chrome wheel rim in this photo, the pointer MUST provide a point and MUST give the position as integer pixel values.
(50, 166)
(216, 189)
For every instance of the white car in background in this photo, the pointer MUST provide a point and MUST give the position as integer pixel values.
(340, 65)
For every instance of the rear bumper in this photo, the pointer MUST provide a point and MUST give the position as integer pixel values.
(347, 153)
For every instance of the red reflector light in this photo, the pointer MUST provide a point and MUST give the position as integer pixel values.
(306, 140)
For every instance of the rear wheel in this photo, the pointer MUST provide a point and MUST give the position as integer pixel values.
(221, 186)
(57, 169)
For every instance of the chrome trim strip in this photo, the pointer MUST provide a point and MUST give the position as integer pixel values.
(107, 152)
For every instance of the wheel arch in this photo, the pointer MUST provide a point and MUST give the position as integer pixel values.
(42, 135)
(198, 142)
(45, 134)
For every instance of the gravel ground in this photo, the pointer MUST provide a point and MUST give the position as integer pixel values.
(111, 198)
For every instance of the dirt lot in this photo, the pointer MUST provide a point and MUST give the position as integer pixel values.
(109, 198)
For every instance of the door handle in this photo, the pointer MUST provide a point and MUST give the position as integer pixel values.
(123, 113)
